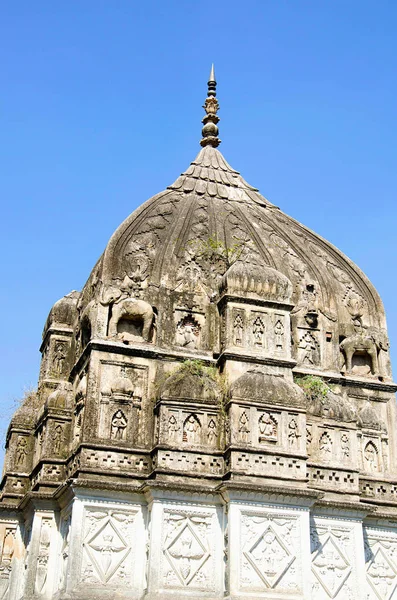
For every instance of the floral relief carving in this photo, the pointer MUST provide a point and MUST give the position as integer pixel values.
(65, 532)
(187, 548)
(7, 553)
(381, 564)
(331, 565)
(268, 551)
(43, 554)
(107, 544)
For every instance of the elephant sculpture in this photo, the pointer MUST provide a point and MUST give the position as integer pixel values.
(134, 310)
(126, 307)
(368, 342)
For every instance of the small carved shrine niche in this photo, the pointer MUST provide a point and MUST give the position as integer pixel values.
(120, 402)
(191, 430)
(325, 446)
(7, 553)
(244, 427)
(80, 397)
(293, 431)
(258, 331)
(188, 332)
(59, 365)
(22, 452)
(279, 335)
(267, 428)
(371, 457)
(172, 427)
(238, 328)
(57, 438)
(118, 426)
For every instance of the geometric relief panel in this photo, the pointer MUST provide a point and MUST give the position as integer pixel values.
(187, 549)
(269, 556)
(107, 544)
(381, 566)
(331, 548)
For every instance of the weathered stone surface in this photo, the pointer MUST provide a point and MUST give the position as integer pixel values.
(215, 415)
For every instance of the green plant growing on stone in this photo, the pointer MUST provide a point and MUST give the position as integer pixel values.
(314, 387)
(215, 251)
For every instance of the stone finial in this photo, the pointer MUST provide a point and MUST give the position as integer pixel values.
(211, 106)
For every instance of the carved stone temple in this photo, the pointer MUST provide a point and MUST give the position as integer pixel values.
(215, 415)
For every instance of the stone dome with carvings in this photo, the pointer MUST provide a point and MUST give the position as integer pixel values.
(210, 232)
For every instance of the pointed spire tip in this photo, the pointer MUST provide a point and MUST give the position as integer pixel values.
(210, 130)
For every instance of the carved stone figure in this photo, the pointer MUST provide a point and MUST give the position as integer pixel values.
(371, 456)
(59, 357)
(267, 426)
(345, 445)
(238, 328)
(279, 335)
(57, 438)
(363, 344)
(212, 432)
(309, 347)
(243, 428)
(173, 428)
(118, 426)
(131, 309)
(191, 430)
(21, 450)
(258, 331)
(325, 444)
(188, 331)
(293, 432)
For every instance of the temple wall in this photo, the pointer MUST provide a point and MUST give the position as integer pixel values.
(164, 543)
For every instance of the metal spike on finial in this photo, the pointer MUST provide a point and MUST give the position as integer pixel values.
(211, 106)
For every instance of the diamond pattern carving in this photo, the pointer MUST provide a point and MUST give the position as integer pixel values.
(107, 549)
(382, 575)
(269, 557)
(331, 567)
(186, 554)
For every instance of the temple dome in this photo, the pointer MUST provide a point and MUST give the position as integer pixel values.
(181, 238)
(267, 388)
(259, 281)
(195, 236)
(63, 312)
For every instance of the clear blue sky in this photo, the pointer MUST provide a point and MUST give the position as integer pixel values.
(101, 109)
